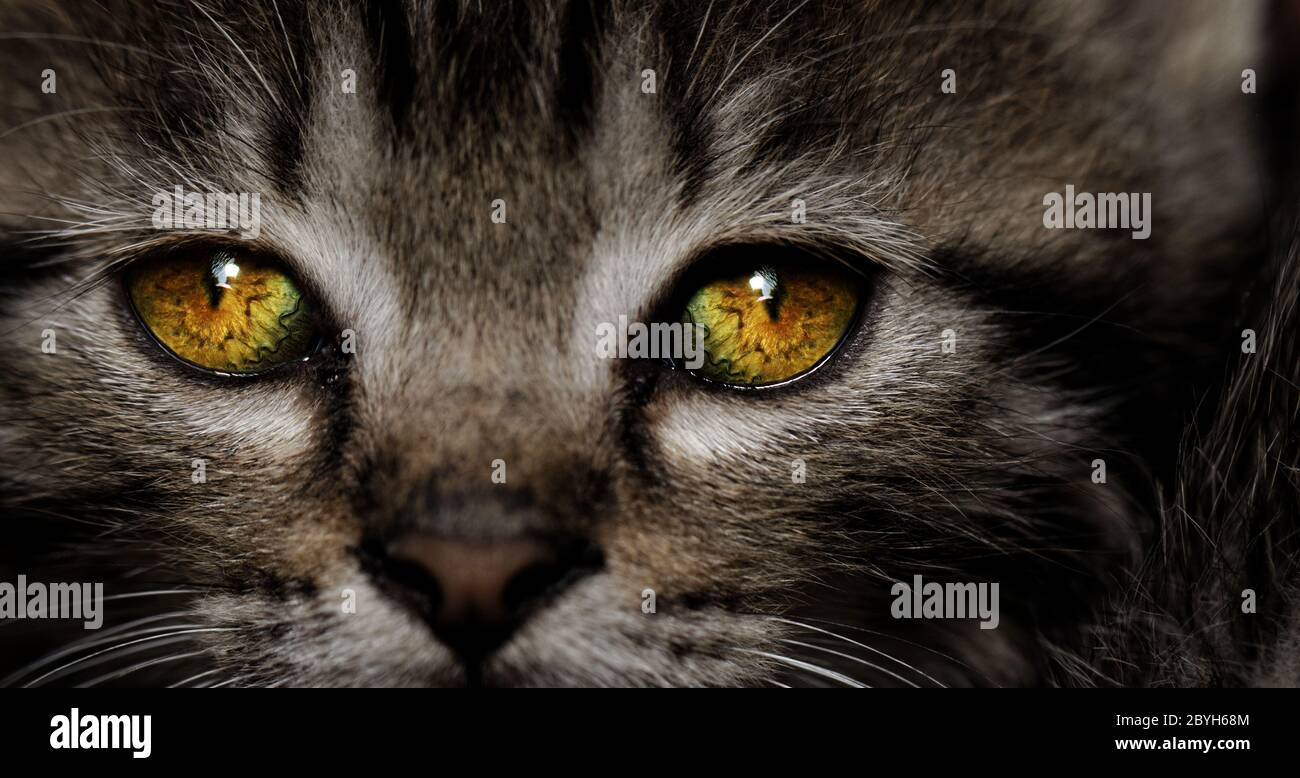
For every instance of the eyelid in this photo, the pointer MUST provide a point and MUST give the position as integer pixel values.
(198, 241)
(180, 240)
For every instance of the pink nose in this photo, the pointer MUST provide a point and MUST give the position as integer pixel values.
(475, 594)
(473, 579)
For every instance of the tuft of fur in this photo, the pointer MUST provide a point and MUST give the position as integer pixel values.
(1215, 601)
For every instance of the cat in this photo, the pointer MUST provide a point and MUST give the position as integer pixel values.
(454, 488)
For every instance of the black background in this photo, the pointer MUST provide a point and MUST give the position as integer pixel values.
(435, 731)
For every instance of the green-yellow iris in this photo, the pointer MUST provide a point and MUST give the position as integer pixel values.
(223, 311)
(771, 323)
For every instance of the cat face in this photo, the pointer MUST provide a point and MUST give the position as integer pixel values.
(452, 483)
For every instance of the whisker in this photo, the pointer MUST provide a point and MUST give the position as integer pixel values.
(203, 674)
(90, 641)
(954, 660)
(808, 667)
(862, 645)
(139, 666)
(131, 595)
(851, 658)
(108, 655)
(61, 670)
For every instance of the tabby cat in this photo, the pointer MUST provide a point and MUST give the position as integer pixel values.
(366, 435)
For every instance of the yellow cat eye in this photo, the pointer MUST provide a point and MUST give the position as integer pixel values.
(224, 311)
(766, 324)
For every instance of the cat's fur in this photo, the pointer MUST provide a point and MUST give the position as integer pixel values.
(475, 340)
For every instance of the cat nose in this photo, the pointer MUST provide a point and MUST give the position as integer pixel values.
(475, 594)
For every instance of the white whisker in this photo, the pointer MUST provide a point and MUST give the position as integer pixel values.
(851, 658)
(862, 645)
(809, 667)
(204, 674)
(139, 666)
(61, 670)
(106, 636)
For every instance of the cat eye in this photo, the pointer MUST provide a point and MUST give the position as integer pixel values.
(223, 311)
(768, 321)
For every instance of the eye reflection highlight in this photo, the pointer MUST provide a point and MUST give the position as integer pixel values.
(224, 269)
(764, 282)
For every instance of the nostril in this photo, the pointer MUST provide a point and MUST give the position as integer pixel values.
(473, 594)
(530, 584)
(409, 581)
(573, 560)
